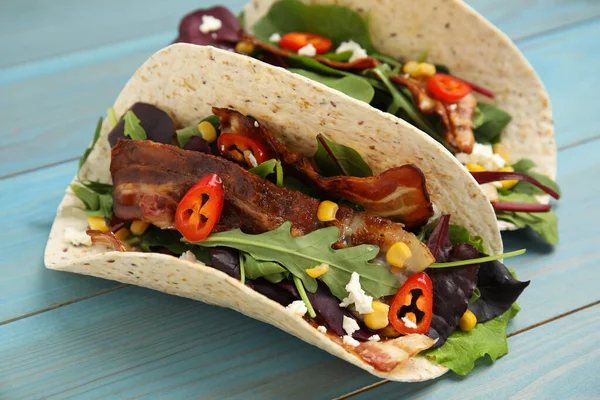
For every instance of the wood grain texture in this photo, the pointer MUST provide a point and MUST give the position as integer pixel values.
(42, 127)
(558, 360)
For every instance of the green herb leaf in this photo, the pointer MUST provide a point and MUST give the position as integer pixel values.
(132, 127)
(524, 167)
(304, 297)
(87, 151)
(185, 134)
(491, 125)
(459, 235)
(279, 174)
(478, 118)
(169, 239)
(335, 159)
(462, 348)
(265, 168)
(352, 85)
(261, 269)
(344, 56)
(88, 197)
(96, 197)
(303, 252)
(478, 260)
(112, 117)
(422, 57)
(337, 23)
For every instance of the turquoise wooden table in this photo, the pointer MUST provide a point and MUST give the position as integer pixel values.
(61, 335)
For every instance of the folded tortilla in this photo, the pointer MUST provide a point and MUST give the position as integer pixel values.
(186, 81)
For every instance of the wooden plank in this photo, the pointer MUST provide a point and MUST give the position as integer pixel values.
(137, 342)
(558, 360)
(74, 98)
(27, 208)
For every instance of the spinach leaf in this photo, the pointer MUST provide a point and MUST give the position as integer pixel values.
(87, 152)
(292, 183)
(304, 62)
(352, 85)
(304, 252)
(334, 22)
(524, 166)
(491, 125)
(132, 128)
(155, 237)
(344, 56)
(335, 159)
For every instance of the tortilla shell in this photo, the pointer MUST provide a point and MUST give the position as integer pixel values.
(186, 81)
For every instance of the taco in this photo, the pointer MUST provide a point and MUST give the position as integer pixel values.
(223, 179)
(438, 65)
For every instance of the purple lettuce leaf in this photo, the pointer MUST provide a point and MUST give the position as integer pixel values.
(225, 37)
(196, 143)
(226, 260)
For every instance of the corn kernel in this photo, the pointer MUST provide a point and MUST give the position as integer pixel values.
(409, 67)
(423, 69)
(378, 319)
(397, 254)
(139, 227)
(467, 321)
(474, 167)
(501, 151)
(327, 211)
(318, 270)
(244, 47)
(122, 233)
(508, 184)
(207, 131)
(98, 224)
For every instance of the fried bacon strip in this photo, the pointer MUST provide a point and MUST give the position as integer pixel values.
(399, 194)
(150, 178)
(362, 63)
(456, 117)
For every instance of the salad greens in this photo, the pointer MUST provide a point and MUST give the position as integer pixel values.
(87, 152)
(185, 134)
(462, 349)
(352, 85)
(304, 252)
(96, 197)
(268, 270)
(133, 129)
(335, 159)
(525, 166)
(112, 117)
(489, 122)
(477, 260)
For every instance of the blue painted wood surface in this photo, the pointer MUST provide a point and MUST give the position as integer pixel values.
(59, 71)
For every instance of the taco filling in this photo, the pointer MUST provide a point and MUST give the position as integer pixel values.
(331, 44)
(362, 258)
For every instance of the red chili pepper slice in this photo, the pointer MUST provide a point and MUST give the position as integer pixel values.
(296, 40)
(242, 149)
(200, 208)
(413, 301)
(447, 88)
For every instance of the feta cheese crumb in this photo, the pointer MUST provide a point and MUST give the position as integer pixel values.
(188, 256)
(210, 24)
(357, 296)
(490, 191)
(256, 124)
(408, 323)
(275, 38)
(77, 238)
(350, 341)
(482, 154)
(374, 338)
(357, 51)
(308, 50)
(298, 308)
(350, 325)
(322, 329)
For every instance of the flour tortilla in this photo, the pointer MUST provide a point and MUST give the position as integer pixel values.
(186, 81)
(457, 36)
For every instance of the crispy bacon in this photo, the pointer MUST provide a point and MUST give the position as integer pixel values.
(107, 239)
(362, 63)
(456, 117)
(387, 355)
(150, 178)
(399, 193)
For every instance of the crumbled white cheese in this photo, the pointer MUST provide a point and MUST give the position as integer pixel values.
(188, 256)
(350, 325)
(357, 296)
(374, 338)
(76, 237)
(297, 307)
(308, 50)
(275, 38)
(322, 329)
(350, 341)
(256, 124)
(210, 24)
(483, 155)
(452, 107)
(490, 191)
(357, 51)
(408, 323)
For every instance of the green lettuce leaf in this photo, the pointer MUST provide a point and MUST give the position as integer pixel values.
(462, 348)
(352, 85)
(336, 159)
(304, 252)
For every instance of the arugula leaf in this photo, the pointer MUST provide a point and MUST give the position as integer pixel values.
(87, 151)
(491, 125)
(352, 85)
(185, 134)
(169, 239)
(88, 197)
(337, 23)
(462, 348)
(112, 117)
(459, 235)
(269, 270)
(304, 297)
(303, 252)
(132, 127)
(524, 166)
(335, 159)
(96, 197)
